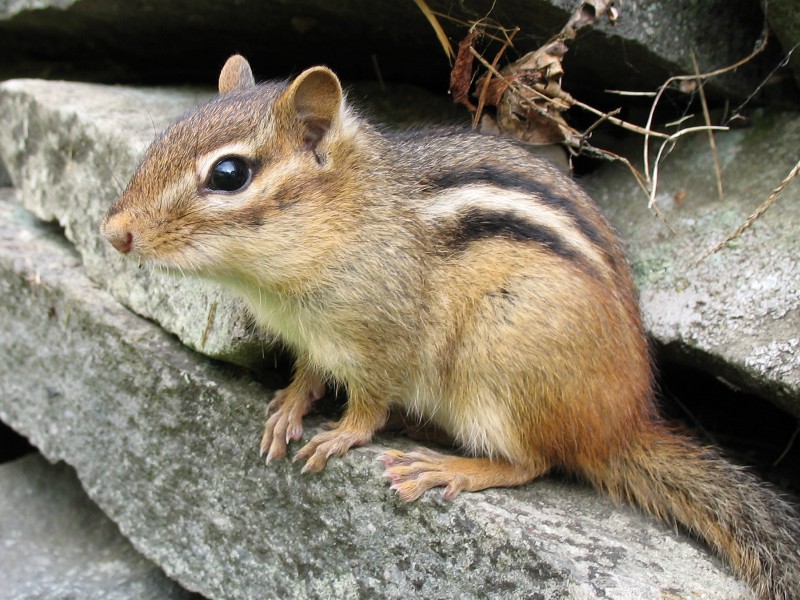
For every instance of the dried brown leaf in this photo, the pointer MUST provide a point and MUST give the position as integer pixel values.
(531, 122)
(495, 89)
(461, 75)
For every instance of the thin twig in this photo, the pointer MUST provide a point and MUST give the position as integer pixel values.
(755, 216)
(608, 155)
(683, 119)
(758, 50)
(788, 447)
(668, 142)
(597, 124)
(629, 93)
(746, 101)
(711, 140)
(620, 122)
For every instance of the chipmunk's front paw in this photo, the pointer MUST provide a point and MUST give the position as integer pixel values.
(285, 424)
(330, 443)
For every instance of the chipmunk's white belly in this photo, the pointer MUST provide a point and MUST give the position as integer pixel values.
(302, 333)
(478, 423)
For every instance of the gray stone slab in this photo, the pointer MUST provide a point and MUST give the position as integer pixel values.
(116, 40)
(166, 442)
(737, 313)
(56, 543)
(70, 149)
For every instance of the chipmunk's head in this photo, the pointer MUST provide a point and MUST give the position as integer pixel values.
(248, 178)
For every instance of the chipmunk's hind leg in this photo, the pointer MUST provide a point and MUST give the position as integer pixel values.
(413, 473)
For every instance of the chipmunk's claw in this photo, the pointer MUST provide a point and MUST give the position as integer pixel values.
(322, 446)
(285, 420)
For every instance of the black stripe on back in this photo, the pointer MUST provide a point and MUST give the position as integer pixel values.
(508, 179)
(477, 224)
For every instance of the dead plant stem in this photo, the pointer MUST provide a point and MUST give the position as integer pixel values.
(711, 139)
(668, 142)
(765, 206)
(668, 82)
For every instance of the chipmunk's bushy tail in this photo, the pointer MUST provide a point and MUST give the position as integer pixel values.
(739, 516)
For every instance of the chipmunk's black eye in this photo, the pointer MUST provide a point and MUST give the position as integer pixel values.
(229, 174)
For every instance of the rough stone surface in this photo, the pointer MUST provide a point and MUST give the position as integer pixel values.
(58, 544)
(120, 41)
(165, 442)
(738, 311)
(70, 148)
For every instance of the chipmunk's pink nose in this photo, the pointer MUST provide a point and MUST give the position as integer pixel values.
(116, 229)
(121, 240)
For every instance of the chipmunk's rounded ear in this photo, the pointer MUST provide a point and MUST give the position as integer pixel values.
(315, 98)
(236, 74)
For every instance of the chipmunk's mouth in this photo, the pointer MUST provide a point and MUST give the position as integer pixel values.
(153, 245)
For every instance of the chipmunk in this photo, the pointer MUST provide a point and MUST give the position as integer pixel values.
(449, 274)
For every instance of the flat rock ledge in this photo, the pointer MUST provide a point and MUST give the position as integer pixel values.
(58, 544)
(165, 442)
(115, 40)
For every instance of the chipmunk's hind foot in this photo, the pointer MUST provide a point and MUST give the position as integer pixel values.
(413, 473)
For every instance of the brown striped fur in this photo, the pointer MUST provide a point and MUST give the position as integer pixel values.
(454, 276)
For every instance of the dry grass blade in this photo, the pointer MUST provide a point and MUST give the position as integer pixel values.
(437, 28)
(212, 313)
(629, 93)
(485, 88)
(711, 139)
(755, 216)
